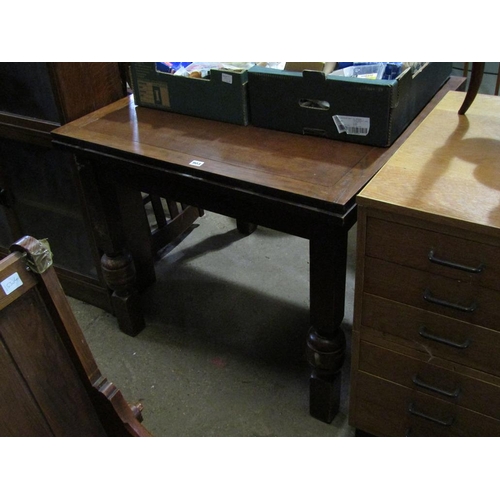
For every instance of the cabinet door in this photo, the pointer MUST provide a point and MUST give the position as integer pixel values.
(46, 202)
(26, 90)
(6, 236)
(58, 92)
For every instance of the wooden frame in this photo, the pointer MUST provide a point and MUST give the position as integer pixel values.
(50, 384)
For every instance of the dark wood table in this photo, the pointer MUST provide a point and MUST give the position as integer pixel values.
(303, 186)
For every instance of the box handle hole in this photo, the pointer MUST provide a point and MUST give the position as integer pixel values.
(314, 104)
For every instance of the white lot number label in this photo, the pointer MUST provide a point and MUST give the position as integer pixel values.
(352, 125)
(227, 78)
(11, 283)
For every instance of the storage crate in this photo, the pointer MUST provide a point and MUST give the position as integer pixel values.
(365, 111)
(223, 97)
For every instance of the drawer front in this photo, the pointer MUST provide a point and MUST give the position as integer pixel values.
(446, 385)
(434, 252)
(434, 334)
(387, 409)
(454, 298)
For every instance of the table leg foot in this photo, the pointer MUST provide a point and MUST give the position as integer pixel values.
(360, 433)
(128, 312)
(326, 356)
(245, 227)
(119, 273)
(324, 393)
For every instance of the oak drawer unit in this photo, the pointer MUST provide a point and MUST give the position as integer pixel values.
(426, 330)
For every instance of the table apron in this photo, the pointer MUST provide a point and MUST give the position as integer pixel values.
(231, 199)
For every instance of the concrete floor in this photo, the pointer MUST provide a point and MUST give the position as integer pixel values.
(223, 352)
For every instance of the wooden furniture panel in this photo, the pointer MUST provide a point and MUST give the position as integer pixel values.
(27, 91)
(45, 204)
(426, 340)
(84, 87)
(46, 361)
(18, 402)
(50, 384)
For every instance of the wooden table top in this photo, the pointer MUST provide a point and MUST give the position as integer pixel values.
(318, 172)
(449, 167)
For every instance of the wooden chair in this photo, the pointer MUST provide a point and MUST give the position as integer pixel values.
(476, 78)
(171, 219)
(50, 384)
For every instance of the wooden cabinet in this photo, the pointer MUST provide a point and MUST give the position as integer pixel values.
(40, 193)
(42, 188)
(426, 331)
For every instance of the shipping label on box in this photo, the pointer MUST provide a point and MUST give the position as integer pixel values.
(153, 94)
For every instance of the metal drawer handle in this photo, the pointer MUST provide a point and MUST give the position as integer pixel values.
(440, 302)
(447, 422)
(424, 333)
(421, 383)
(454, 265)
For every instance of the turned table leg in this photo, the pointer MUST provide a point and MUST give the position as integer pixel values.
(117, 263)
(119, 226)
(326, 340)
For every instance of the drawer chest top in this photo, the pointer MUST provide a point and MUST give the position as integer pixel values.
(449, 167)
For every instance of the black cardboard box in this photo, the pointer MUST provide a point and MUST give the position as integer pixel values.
(373, 112)
(223, 97)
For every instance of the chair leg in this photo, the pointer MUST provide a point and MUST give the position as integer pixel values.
(161, 220)
(475, 82)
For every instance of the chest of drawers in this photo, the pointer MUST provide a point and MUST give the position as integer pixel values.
(426, 331)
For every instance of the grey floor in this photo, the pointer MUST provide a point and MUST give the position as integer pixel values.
(223, 353)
